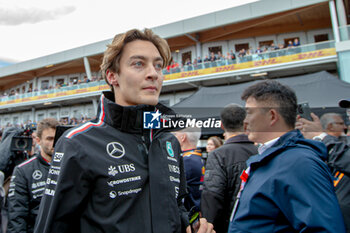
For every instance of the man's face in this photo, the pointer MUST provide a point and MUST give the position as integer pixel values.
(337, 127)
(46, 141)
(257, 121)
(140, 77)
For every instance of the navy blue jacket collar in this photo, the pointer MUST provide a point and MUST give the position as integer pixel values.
(292, 138)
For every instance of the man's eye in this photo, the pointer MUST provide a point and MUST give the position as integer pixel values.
(158, 66)
(138, 64)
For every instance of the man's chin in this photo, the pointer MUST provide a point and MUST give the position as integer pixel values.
(150, 101)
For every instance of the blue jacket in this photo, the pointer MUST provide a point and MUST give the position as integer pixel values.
(194, 170)
(289, 189)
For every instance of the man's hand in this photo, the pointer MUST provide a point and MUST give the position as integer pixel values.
(308, 128)
(205, 227)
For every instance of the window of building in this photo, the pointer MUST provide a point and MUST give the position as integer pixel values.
(186, 56)
(53, 115)
(15, 120)
(215, 50)
(40, 116)
(265, 44)
(60, 81)
(73, 80)
(321, 37)
(90, 112)
(238, 47)
(26, 118)
(44, 84)
(30, 87)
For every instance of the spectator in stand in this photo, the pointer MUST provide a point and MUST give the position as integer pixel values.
(258, 50)
(273, 47)
(290, 44)
(199, 60)
(296, 42)
(233, 55)
(251, 50)
(195, 63)
(213, 143)
(94, 78)
(86, 80)
(212, 57)
(206, 59)
(58, 85)
(224, 167)
(220, 56)
(188, 62)
(241, 53)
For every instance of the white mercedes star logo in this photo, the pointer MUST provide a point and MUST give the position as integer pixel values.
(37, 175)
(115, 150)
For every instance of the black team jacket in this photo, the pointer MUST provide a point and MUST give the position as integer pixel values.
(26, 190)
(222, 179)
(111, 175)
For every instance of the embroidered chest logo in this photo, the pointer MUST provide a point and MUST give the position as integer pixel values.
(112, 171)
(37, 175)
(169, 149)
(115, 150)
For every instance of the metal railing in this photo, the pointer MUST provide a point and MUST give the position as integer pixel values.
(186, 68)
(253, 57)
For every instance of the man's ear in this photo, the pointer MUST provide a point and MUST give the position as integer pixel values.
(37, 139)
(112, 78)
(274, 116)
(330, 127)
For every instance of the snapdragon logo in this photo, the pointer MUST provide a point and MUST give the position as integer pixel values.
(151, 120)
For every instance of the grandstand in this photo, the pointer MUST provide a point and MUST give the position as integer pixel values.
(249, 42)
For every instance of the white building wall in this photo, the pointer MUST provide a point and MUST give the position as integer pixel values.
(205, 47)
(250, 41)
(311, 34)
(191, 49)
(302, 37)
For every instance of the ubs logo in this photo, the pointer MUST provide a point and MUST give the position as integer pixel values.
(115, 150)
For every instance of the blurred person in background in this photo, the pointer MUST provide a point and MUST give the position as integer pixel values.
(213, 143)
(193, 163)
(329, 130)
(224, 167)
(29, 179)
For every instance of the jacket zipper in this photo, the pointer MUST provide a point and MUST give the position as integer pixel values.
(144, 143)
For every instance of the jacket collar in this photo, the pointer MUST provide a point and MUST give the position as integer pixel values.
(284, 141)
(238, 139)
(42, 160)
(125, 118)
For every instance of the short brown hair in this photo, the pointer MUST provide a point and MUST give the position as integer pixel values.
(45, 124)
(114, 51)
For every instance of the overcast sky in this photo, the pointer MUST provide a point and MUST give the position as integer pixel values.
(35, 28)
